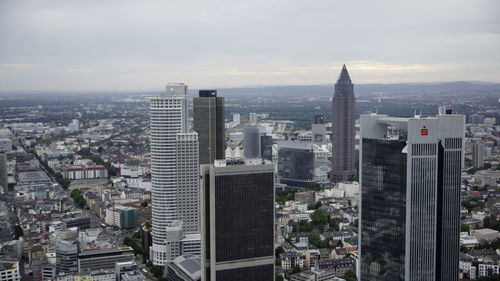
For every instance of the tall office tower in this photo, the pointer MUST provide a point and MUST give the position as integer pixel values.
(3, 171)
(343, 129)
(174, 175)
(478, 155)
(319, 129)
(208, 122)
(251, 139)
(410, 197)
(237, 221)
(257, 144)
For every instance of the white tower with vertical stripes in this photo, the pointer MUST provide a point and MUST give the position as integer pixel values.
(174, 174)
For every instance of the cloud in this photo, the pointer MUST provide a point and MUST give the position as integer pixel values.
(130, 44)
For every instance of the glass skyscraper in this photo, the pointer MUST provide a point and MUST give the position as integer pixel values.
(410, 197)
(343, 129)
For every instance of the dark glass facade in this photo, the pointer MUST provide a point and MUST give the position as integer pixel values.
(208, 122)
(266, 147)
(252, 273)
(383, 210)
(448, 226)
(343, 129)
(251, 135)
(295, 166)
(240, 200)
(244, 216)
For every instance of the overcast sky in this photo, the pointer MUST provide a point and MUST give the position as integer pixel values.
(143, 44)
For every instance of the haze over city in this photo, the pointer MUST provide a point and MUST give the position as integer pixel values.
(137, 45)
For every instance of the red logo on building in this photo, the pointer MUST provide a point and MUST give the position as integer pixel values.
(424, 131)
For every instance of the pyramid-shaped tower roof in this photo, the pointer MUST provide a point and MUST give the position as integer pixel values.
(344, 76)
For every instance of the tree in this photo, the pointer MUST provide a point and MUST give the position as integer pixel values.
(18, 232)
(144, 203)
(494, 277)
(464, 228)
(319, 218)
(278, 251)
(350, 276)
(279, 277)
(315, 240)
(296, 269)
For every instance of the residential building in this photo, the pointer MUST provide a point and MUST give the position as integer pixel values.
(252, 117)
(313, 275)
(77, 172)
(208, 122)
(476, 119)
(291, 260)
(343, 129)
(340, 267)
(174, 171)
(410, 197)
(237, 221)
(9, 271)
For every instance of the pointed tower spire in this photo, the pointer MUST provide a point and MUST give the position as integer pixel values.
(344, 76)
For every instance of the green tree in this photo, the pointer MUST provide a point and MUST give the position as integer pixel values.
(350, 275)
(464, 228)
(18, 232)
(494, 277)
(279, 277)
(319, 218)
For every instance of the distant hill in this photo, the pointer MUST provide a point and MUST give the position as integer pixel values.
(361, 89)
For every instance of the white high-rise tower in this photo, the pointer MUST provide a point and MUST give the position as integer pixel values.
(174, 177)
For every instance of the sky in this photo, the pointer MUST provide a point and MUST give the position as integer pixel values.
(136, 45)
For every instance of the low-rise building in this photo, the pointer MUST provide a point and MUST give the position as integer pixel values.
(97, 259)
(9, 271)
(291, 260)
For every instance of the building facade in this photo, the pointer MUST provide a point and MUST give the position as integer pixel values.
(9, 271)
(302, 163)
(99, 259)
(67, 256)
(3, 171)
(174, 170)
(208, 122)
(343, 129)
(410, 197)
(237, 204)
(478, 155)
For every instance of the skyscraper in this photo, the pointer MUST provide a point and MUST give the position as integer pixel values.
(174, 174)
(237, 224)
(251, 138)
(208, 122)
(343, 129)
(410, 197)
(3, 171)
(478, 155)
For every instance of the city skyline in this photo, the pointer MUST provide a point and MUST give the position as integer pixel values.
(130, 45)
